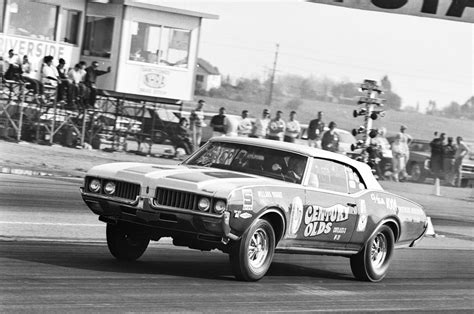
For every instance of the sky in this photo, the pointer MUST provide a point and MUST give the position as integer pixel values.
(424, 58)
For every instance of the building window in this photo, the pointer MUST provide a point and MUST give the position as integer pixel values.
(159, 44)
(32, 19)
(98, 36)
(70, 26)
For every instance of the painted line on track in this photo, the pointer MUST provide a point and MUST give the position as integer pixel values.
(49, 224)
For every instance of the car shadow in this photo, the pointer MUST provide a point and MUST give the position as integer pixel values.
(180, 262)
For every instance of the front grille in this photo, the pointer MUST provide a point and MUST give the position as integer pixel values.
(175, 198)
(124, 190)
(467, 168)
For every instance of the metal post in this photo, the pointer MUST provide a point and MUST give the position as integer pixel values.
(53, 131)
(83, 130)
(20, 120)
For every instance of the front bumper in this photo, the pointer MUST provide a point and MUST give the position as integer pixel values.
(166, 220)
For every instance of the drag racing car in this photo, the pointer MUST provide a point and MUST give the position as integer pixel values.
(251, 198)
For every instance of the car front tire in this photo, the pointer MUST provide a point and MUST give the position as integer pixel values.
(252, 255)
(125, 245)
(372, 262)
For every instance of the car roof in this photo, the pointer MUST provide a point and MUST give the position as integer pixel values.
(364, 169)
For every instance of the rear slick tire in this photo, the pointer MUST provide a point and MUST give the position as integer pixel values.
(372, 262)
(125, 245)
(252, 255)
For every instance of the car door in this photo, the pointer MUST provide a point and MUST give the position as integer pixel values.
(330, 210)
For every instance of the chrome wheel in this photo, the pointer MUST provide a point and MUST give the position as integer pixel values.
(252, 255)
(372, 262)
(258, 248)
(378, 251)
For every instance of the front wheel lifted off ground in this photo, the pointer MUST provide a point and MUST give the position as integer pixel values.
(371, 263)
(252, 255)
(125, 245)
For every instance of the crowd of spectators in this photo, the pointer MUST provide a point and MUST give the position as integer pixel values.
(73, 87)
(275, 128)
(446, 158)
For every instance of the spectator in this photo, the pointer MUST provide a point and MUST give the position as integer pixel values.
(437, 156)
(461, 150)
(217, 123)
(315, 130)
(449, 150)
(13, 66)
(64, 85)
(92, 72)
(35, 85)
(245, 125)
(49, 73)
(261, 125)
(77, 86)
(405, 141)
(231, 125)
(398, 158)
(379, 144)
(182, 138)
(197, 123)
(293, 128)
(330, 140)
(276, 128)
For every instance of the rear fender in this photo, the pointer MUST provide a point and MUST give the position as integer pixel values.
(392, 223)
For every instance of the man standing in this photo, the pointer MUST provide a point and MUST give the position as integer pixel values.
(276, 128)
(437, 156)
(218, 123)
(405, 141)
(92, 72)
(330, 140)
(449, 150)
(461, 151)
(197, 123)
(245, 125)
(315, 130)
(261, 125)
(293, 128)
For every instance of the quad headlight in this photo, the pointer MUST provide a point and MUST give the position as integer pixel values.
(204, 204)
(94, 186)
(219, 207)
(109, 188)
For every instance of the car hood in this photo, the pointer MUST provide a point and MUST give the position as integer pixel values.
(206, 180)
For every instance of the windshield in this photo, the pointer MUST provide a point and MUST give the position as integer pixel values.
(267, 162)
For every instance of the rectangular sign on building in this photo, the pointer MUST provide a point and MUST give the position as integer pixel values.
(455, 10)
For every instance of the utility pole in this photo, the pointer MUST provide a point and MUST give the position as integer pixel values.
(272, 78)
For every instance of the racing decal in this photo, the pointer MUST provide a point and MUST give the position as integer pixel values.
(296, 216)
(319, 220)
(388, 202)
(247, 197)
(243, 215)
(362, 223)
(269, 194)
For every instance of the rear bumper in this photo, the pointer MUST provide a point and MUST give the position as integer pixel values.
(416, 241)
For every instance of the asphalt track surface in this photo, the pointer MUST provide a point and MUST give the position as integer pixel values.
(53, 258)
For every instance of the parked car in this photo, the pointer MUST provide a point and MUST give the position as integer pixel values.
(251, 198)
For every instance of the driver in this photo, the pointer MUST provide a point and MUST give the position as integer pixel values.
(296, 168)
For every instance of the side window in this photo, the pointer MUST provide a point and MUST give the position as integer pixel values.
(328, 175)
(355, 183)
